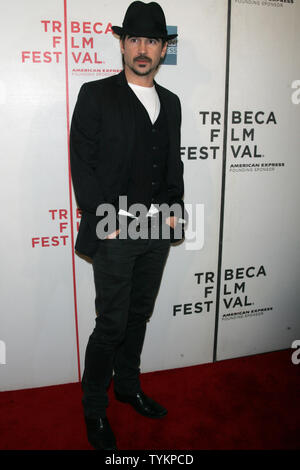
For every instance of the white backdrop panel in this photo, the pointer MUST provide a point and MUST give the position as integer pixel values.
(261, 223)
(262, 220)
(37, 312)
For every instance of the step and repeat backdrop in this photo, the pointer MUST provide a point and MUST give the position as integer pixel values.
(231, 288)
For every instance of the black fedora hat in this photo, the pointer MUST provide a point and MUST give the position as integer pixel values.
(144, 20)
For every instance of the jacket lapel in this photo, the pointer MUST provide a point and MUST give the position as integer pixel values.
(125, 107)
(167, 103)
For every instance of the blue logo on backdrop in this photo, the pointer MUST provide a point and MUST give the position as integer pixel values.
(171, 55)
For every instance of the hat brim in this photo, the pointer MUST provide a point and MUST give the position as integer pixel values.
(119, 31)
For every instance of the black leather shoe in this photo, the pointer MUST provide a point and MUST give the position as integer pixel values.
(100, 434)
(143, 404)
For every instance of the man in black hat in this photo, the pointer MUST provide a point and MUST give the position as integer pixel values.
(125, 142)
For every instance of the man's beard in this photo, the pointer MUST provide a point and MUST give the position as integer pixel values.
(140, 72)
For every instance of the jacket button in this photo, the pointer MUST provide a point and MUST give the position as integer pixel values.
(154, 166)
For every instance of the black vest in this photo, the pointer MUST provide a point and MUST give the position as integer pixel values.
(147, 182)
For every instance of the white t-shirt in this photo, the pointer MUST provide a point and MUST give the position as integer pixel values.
(149, 98)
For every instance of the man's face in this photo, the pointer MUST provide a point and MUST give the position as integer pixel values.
(142, 55)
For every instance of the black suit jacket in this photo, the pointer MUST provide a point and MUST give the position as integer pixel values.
(101, 142)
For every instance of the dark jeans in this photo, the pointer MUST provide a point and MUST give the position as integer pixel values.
(127, 276)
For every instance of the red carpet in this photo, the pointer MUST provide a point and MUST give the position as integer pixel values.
(245, 403)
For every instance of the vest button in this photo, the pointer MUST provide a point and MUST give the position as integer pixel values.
(154, 147)
(154, 166)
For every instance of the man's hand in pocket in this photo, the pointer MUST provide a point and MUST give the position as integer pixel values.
(114, 234)
(172, 221)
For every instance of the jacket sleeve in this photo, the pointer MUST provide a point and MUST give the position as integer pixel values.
(84, 150)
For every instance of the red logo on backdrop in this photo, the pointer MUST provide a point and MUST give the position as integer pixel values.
(76, 41)
(83, 42)
(61, 217)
